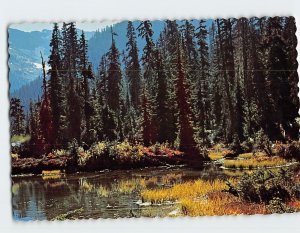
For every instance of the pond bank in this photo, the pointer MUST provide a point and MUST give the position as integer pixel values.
(108, 194)
(37, 166)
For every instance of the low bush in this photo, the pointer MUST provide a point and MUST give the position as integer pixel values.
(247, 145)
(126, 152)
(99, 149)
(276, 205)
(265, 186)
(262, 142)
(292, 151)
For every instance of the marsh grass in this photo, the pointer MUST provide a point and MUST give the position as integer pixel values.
(203, 198)
(217, 154)
(190, 190)
(236, 173)
(252, 155)
(255, 162)
(86, 186)
(220, 203)
(102, 191)
(171, 178)
(128, 186)
(49, 175)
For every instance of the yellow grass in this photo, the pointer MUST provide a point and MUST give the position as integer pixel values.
(218, 153)
(251, 155)
(102, 191)
(203, 198)
(131, 185)
(151, 181)
(143, 183)
(220, 203)
(49, 175)
(86, 186)
(236, 173)
(255, 162)
(190, 190)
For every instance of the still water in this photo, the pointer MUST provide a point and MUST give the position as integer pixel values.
(107, 194)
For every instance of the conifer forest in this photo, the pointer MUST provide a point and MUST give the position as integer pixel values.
(200, 108)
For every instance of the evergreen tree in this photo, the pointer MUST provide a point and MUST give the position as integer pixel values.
(70, 67)
(56, 94)
(45, 114)
(227, 69)
(277, 78)
(292, 102)
(17, 117)
(149, 79)
(186, 132)
(162, 101)
(114, 78)
(202, 91)
(86, 75)
(216, 89)
(133, 70)
(36, 141)
(147, 125)
(192, 87)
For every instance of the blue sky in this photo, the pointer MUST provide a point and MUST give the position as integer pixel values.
(86, 26)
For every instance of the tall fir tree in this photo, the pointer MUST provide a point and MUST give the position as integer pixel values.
(133, 70)
(149, 77)
(45, 114)
(202, 90)
(114, 77)
(186, 133)
(86, 75)
(56, 94)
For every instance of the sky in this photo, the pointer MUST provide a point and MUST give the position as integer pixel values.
(86, 26)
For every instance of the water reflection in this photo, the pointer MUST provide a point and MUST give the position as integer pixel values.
(99, 195)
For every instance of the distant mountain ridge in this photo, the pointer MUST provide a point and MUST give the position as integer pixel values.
(25, 48)
(100, 42)
(24, 55)
(25, 60)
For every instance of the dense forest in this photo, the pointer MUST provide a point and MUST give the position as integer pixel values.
(232, 82)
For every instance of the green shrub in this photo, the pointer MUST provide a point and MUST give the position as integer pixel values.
(276, 205)
(61, 153)
(292, 151)
(262, 142)
(99, 149)
(83, 156)
(247, 145)
(235, 146)
(265, 186)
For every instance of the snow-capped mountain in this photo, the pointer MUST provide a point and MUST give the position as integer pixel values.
(25, 50)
